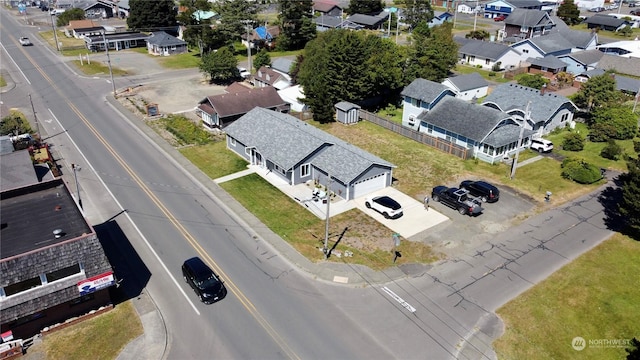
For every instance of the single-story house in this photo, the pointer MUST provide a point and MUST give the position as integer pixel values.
(439, 17)
(626, 48)
(419, 96)
(299, 152)
(547, 66)
(163, 44)
(557, 43)
(547, 111)
(496, 8)
(218, 111)
(465, 9)
(369, 22)
(116, 41)
(326, 7)
(581, 61)
(621, 64)
(81, 28)
(625, 84)
(487, 54)
(294, 96)
(469, 87)
(261, 37)
(266, 76)
(324, 23)
(605, 22)
(491, 133)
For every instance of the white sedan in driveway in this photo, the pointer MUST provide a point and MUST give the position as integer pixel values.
(385, 205)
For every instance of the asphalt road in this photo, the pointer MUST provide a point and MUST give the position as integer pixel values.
(272, 310)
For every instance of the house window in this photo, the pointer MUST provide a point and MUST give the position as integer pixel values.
(471, 59)
(22, 286)
(232, 141)
(487, 62)
(429, 129)
(416, 102)
(412, 120)
(63, 273)
(305, 170)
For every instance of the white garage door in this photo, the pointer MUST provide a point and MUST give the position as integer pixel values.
(366, 186)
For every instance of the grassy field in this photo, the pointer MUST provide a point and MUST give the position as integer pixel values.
(594, 297)
(103, 337)
(305, 232)
(3, 82)
(591, 151)
(224, 163)
(488, 75)
(97, 68)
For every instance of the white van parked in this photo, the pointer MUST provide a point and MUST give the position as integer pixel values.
(541, 145)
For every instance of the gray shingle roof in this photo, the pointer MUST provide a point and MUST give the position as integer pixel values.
(622, 65)
(512, 96)
(287, 141)
(505, 135)
(586, 57)
(579, 39)
(484, 49)
(282, 65)
(328, 21)
(549, 61)
(528, 18)
(605, 20)
(366, 20)
(468, 81)
(161, 38)
(424, 90)
(460, 117)
(623, 83)
(346, 106)
(551, 43)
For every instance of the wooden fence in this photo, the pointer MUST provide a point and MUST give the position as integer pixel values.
(438, 143)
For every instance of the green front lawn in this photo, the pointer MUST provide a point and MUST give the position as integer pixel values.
(214, 159)
(594, 297)
(488, 75)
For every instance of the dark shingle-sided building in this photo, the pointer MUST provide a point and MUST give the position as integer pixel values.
(52, 264)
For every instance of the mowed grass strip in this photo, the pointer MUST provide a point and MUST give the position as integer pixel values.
(214, 159)
(97, 68)
(102, 337)
(594, 297)
(305, 232)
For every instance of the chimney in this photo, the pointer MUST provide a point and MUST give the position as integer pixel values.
(544, 87)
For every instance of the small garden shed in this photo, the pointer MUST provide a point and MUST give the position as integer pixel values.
(347, 113)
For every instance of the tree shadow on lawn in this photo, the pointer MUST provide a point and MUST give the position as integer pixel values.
(610, 197)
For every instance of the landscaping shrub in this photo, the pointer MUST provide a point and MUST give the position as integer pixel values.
(621, 118)
(612, 151)
(580, 171)
(573, 142)
(601, 132)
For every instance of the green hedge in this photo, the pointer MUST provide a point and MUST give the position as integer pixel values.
(580, 171)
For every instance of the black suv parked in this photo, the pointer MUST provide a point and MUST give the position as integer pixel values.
(485, 191)
(203, 280)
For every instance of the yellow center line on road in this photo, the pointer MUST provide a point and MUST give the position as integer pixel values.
(174, 221)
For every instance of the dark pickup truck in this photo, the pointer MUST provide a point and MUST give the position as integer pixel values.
(458, 199)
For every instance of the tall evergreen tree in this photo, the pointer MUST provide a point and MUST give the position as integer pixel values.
(195, 33)
(154, 15)
(432, 54)
(417, 11)
(297, 24)
(365, 7)
(569, 13)
(262, 59)
(628, 205)
(596, 92)
(235, 16)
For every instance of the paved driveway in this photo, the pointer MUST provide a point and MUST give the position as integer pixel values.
(415, 219)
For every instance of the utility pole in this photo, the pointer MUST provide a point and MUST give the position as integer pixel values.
(475, 16)
(35, 118)
(326, 224)
(389, 25)
(515, 159)
(635, 102)
(397, 28)
(55, 35)
(106, 46)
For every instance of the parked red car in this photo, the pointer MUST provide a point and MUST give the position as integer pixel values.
(499, 18)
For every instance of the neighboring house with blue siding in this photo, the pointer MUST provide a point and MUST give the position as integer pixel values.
(419, 96)
(558, 43)
(581, 61)
(501, 7)
(299, 152)
(440, 17)
(547, 111)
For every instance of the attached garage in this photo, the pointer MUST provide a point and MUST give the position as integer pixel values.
(369, 185)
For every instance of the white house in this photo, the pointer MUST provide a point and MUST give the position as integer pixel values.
(464, 9)
(469, 87)
(293, 95)
(486, 54)
(419, 96)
